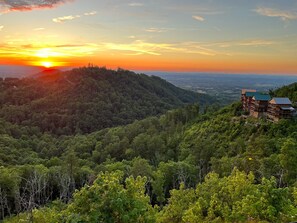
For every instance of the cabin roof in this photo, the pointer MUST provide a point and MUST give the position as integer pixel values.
(281, 101)
(262, 97)
(252, 94)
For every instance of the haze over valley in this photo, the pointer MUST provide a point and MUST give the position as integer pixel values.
(225, 87)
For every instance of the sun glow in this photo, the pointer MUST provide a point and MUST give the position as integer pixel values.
(47, 64)
(46, 53)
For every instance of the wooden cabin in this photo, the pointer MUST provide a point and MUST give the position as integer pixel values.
(259, 105)
(246, 98)
(280, 108)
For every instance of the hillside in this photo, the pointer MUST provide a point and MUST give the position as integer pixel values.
(88, 99)
(289, 91)
(183, 161)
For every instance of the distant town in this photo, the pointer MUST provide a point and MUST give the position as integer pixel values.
(262, 105)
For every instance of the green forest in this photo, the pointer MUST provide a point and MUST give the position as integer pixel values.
(176, 163)
(88, 99)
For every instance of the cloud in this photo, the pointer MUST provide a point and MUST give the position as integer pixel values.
(196, 8)
(139, 47)
(31, 51)
(65, 18)
(255, 43)
(39, 29)
(90, 13)
(283, 14)
(243, 43)
(135, 4)
(27, 5)
(158, 30)
(1, 28)
(199, 18)
(71, 17)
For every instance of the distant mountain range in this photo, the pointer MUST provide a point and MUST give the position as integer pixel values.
(18, 71)
(23, 71)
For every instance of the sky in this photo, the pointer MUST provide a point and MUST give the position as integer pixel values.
(230, 36)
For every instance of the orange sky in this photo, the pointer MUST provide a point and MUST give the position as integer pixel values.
(201, 36)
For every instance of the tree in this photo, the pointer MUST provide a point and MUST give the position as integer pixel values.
(108, 200)
(9, 190)
(178, 204)
(236, 198)
(288, 160)
(34, 189)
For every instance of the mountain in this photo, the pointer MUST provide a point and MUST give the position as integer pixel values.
(216, 166)
(180, 166)
(49, 74)
(181, 161)
(87, 99)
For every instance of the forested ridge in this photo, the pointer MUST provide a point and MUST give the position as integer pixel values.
(287, 91)
(182, 166)
(88, 99)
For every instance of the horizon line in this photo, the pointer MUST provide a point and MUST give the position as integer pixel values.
(192, 72)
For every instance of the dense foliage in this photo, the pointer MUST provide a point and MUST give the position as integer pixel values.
(287, 91)
(182, 166)
(236, 198)
(88, 99)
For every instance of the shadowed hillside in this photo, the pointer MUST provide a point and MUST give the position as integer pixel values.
(89, 99)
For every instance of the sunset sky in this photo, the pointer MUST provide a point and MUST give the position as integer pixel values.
(236, 36)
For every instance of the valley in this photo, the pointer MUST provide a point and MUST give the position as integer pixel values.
(225, 88)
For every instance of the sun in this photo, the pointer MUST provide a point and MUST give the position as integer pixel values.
(47, 64)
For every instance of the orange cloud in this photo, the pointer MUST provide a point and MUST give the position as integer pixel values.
(12, 5)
